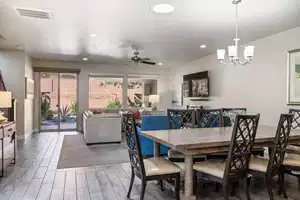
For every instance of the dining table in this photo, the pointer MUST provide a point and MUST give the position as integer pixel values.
(205, 141)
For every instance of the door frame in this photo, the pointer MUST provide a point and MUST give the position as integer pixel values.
(58, 101)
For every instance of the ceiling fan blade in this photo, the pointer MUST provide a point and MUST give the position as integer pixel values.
(146, 59)
(148, 62)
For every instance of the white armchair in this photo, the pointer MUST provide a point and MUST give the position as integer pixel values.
(101, 128)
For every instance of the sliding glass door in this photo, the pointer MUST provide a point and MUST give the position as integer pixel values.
(58, 101)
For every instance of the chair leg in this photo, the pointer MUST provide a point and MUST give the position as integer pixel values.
(269, 186)
(143, 187)
(195, 183)
(161, 183)
(177, 187)
(246, 186)
(225, 190)
(233, 189)
(218, 187)
(281, 186)
(131, 182)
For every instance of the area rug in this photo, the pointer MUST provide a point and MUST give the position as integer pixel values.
(75, 153)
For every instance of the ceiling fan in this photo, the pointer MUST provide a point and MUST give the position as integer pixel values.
(137, 59)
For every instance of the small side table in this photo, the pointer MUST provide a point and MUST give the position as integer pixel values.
(8, 144)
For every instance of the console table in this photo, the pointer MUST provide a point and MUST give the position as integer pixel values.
(8, 145)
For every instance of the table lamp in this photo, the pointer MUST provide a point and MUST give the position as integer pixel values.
(154, 100)
(5, 102)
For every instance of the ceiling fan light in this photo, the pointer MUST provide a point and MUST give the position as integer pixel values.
(221, 54)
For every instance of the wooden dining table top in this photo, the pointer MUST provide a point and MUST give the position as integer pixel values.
(196, 138)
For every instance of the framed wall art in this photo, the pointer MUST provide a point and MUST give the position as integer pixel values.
(29, 88)
(293, 77)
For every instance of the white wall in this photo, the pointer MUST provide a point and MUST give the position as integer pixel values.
(261, 87)
(87, 69)
(15, 65)
(28, 103)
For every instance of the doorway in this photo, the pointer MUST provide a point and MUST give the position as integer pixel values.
(58, 101)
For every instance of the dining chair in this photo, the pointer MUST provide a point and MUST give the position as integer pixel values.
(147, 169)
(235, 167)
(209, 118)
(231, 113)
(229, 117)
(274, 165)
(292, 158)
(295, 125)
(181, 119)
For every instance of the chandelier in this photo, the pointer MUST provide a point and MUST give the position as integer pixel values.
(233, 51)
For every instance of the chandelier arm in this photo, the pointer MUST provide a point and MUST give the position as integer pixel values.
(228, 63)
(245, 62)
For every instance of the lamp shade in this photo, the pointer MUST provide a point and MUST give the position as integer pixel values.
(221, 54)
(5, 99)
(232, 51)
(249, 51)
(154, 98)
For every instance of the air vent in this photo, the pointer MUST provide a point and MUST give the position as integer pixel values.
(33, 13)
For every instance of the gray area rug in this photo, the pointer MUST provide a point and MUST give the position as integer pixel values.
(75, 153)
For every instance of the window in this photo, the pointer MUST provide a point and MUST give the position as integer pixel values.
(105, 92)
(138, 91)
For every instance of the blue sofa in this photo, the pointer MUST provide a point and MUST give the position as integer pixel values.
(150, 123)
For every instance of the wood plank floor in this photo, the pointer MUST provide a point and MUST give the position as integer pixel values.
(36, 177)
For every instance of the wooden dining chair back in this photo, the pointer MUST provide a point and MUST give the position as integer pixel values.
(274, 165)
(294, 149)
(236, 166)
(296, 119)
(242, 141)
(209, 118)
(133, 145)
(147, 169)
(281, 142)
(231, 113)
(180, 119)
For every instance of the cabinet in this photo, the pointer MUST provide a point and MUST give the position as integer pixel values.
(7, 145)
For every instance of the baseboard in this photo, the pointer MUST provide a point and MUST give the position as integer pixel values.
(23, 137)
(20, 137)
(36, 130)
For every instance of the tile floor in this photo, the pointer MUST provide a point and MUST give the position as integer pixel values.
(36, 177)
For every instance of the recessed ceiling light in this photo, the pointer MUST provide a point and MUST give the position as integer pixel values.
(203, 46)
(93, 35)
(85, 59)
(160, 64)
(18, 47)
(163, 8)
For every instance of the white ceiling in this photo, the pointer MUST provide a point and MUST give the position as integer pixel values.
(168, 38)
